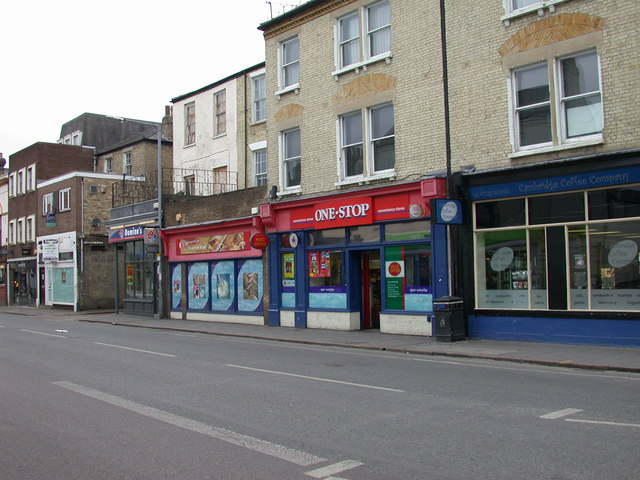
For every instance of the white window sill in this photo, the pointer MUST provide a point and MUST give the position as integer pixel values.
(291, 88)
(290, 191)
(258, 122)
(363, 66)
(536, 7)
(189, 145)
(362, 180)
(557, 148)
(219, 135)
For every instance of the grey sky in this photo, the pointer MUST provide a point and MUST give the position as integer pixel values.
(124, 58)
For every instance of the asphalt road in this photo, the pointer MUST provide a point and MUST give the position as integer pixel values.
(95, 401)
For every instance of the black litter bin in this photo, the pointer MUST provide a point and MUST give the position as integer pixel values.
(449, 320)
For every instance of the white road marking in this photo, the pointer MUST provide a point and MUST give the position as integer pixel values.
(2, 326)
(561, 413)
(274, 450)
(42, 333)
(274, 372)
(335, 468)
(136, 349)
(598, 422)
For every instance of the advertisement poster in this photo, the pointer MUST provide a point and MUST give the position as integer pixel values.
(198, 286)
(394, 279)
(229, 242)
(320, 264)
(176, 287)
(288, 265)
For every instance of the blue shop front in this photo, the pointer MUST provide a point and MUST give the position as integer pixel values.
(556, 250)
(365, 259)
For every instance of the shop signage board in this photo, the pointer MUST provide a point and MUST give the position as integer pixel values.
(50, 250)
(348, 212)
(260, 241)
(583, 181)
(226, 242)
(135, 232)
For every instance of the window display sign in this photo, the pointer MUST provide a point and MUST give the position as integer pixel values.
(320, 264)
(288, 265)
(50, 250)
(229, 242)
(176, 287)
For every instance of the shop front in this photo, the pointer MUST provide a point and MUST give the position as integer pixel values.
(216, 271)
(136, 260)
(557, 255)
(364, 259)
(23, 281)
(57, 264)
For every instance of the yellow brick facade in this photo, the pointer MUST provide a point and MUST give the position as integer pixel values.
(410, 79)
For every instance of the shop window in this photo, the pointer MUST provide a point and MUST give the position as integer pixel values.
(420, 230)
(223, 285)
(545, 209)
(176, 287)
(614, 203)
(408, 278)
(139, 271)
(288, 296)
(364, 234)
(334, 236)
(327, 287)
(250, 285)
(614, 265)
(559, 261)
(501, 213)
(502, 270)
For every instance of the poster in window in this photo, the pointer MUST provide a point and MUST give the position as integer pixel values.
(250, 286)
(176, 287)
(250, 282)
(198, 287)
(224, 286)
(288, 266)
(320, 264)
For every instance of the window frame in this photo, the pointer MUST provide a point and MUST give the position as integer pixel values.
(30, 233)
(260, 167)
(31, 178)
(537, 6)
(11, 234)
(282, 70)
(557, 101)
(259, 98)
(220, 112)
(108, 165)
(365, 34)
(127, 162)
(47, 204)
(64, 200)
(20, 230)
(189, 124)
(284, 160)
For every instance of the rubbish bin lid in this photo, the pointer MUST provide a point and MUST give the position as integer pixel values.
(448, 299)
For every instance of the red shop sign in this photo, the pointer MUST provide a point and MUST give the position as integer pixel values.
(338, 213)
(259, 240)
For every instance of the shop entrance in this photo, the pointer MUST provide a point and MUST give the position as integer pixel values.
(371, 289)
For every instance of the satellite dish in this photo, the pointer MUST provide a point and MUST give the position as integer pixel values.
(96, 222)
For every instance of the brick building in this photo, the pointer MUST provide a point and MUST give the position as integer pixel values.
(220, 178)
(543, 100)
(27, 168)
(357, 155)
(77, 268)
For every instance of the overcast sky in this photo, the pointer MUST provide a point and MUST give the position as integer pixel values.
(125, 58)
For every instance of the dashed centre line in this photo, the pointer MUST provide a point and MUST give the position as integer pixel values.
(330, 470)
(328, 380)
(42, 333)
(561, 413)
(136, 349)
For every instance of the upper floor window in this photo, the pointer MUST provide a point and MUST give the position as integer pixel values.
(260, 167)
(30, 228)
(47, 203)
(20, 230)
(11, 236)
(190, 123)
(20, 182)
(127, 163)
(517, 4)
(221, 112)
(12, 185)
(557, 102)
(367, 151)
(108, 165)
(259, 98)
(364, 36)
(190, 184)
(290, 63)
(291, 158)
(64, 200)
(31, 177)
(518, 8)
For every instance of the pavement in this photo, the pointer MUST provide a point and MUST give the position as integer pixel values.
(587, 357)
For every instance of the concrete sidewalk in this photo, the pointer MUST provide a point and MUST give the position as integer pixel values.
(574, 356)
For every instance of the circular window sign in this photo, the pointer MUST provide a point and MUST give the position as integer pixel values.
(623, 253)
(395, 269)
(501, 259)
